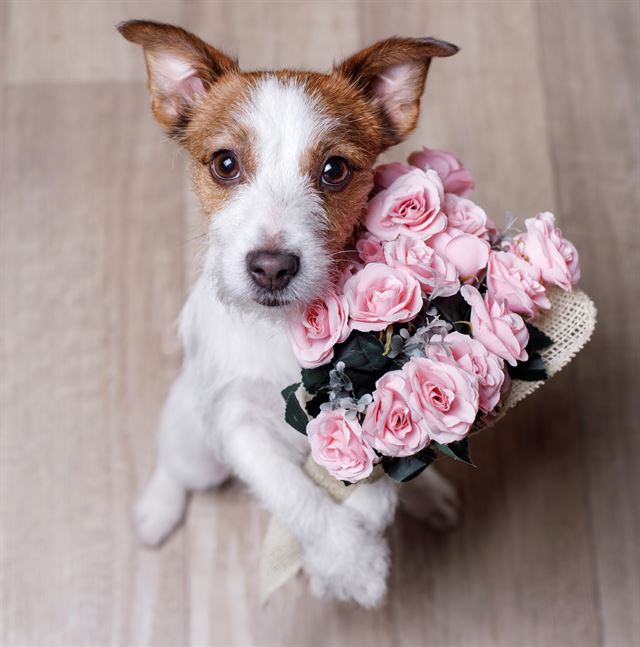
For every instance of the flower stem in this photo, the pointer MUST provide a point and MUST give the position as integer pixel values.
(387, 345)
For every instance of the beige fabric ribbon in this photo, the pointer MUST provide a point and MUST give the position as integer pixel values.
(570, 323)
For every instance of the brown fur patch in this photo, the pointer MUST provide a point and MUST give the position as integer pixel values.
(213, 127)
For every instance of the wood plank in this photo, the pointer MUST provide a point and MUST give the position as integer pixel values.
(65, 40)
(590, 58)
(92, 263)
(272, 35)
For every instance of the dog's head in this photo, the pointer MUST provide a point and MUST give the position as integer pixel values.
(281, 161)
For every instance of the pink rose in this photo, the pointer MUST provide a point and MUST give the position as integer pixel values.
(379, 295)
(369, 248)
(337, 444)
(411, 205)
(445, 395)
(314, 331)
(385, 174)
(470, 355)
(501, 331)
(468, 254)
(544, 247)
(465, 215)
(390, 425)
(517, 283)
(432, 271)
(455, 178)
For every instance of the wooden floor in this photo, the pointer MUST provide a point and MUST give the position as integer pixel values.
(98, 234)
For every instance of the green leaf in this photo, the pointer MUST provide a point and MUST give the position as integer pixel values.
(313, 379)
(364, 361)
(289, 390)
(313, 405)
(537, 339)
(458, 450)
(453, 309)
(362, 351)
(408, 467)
(294, 414)
(363, 382)
(533, 370)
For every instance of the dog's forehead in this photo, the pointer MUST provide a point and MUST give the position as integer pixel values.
(285, 116)
(287, 121)
(296, 120)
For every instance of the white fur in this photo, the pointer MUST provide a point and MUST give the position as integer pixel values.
(279, 207)
(225, 408)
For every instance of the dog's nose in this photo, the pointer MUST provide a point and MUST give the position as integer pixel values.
(272, 270)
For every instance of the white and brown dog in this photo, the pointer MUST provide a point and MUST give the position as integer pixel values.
(282, 165)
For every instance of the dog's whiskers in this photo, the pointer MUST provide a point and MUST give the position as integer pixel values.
(342, 252)
(191, 240)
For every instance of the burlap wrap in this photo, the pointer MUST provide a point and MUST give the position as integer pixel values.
(569, 322)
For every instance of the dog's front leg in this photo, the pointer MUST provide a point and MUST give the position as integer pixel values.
(184, 463)
(375, 502)
(343, 555)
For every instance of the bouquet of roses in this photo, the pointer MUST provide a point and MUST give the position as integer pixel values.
(427, 326)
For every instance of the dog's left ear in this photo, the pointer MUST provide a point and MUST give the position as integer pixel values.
(180, 66)
(392, 75)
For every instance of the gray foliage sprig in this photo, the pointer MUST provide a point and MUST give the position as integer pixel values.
(340, 388)
(352, 407)
(405, 345)
(341, 394)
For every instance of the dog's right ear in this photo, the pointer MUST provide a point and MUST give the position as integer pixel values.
(180, 67)
(391, 73)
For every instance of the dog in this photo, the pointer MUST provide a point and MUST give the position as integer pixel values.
(282, 165)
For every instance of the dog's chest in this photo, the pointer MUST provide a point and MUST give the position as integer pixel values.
(226, 345)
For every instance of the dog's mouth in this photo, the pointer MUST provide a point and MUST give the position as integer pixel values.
(273, 299)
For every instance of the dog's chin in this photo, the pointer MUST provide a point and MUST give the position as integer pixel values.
(293, 296)
(273, 300)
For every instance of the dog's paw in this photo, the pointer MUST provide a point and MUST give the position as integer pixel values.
(375, 503)
(349, 570)
(159, 510)
(433, 499)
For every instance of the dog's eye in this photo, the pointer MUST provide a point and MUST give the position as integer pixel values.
(225, 166)
(335, 172)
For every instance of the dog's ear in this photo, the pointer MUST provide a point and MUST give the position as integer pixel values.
(180, 66)
(392, 74)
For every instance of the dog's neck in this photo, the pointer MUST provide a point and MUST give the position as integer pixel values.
(228, 342)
